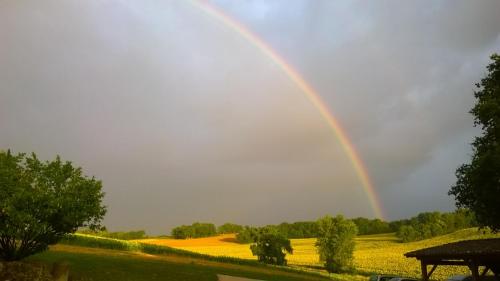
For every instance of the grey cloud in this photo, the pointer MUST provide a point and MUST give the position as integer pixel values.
(184, 120)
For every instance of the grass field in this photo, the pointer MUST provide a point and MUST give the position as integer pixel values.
(373, 254)
(95, 258)
(113, 265)
(117, 260)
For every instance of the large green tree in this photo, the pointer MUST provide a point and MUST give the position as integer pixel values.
(40, 202)
(271, 246)
(478, 182)
(335, 242)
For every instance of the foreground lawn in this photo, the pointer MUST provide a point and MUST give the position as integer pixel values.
(111, 265)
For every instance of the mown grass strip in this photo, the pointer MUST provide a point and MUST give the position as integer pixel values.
(102, 267)
(84, 240)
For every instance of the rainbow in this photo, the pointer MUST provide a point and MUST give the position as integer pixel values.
(309, 92)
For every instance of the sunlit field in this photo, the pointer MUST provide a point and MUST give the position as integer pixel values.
(382, 253)
(99, 258)
(224, 245)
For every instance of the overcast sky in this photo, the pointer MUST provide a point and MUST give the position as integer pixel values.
(185, 120)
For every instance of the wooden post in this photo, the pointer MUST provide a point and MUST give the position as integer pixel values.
(432, 270)
(486, 268)
(474, 270)
(425, 277)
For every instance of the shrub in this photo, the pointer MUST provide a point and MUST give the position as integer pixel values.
(336, 243)
(271, 247)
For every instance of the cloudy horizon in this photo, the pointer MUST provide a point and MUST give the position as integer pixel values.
(185, 120)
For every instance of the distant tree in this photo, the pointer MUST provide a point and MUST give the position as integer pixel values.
(40, 202)
(335, 243)
(301, 229)
(429, 224)
(271, 247)
(407, 233)
(397, 224)
(196, 230)
(203, 229)
(374, 226)
(461, 218)
(229, 228)
(478, 183)
(247, 235)
(182, 232)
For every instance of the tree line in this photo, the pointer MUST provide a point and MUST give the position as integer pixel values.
(303, 229)
(430, 224)
(422, 226)
(122, 235)
(195, 230)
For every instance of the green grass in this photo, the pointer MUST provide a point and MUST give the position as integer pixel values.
(90, 241)
(125, 268)
(130, 260)
(85, 266)
(84, 240)
(112, 259)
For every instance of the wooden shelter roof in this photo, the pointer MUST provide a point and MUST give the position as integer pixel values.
(485, 248)
(470, 253)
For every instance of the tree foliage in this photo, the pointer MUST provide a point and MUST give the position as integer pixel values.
(270, 246)
(229, 228)
(301, 229)
(430, 224)
(247, 234)
(478, 182)
(196, 230)
(40, 202)
(336, 243)
(371, 226)
(304, 229)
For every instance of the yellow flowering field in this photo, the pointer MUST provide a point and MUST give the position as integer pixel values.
(381, 253)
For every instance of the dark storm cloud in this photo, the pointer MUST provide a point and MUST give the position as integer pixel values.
(184, 120)
(400, 76)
